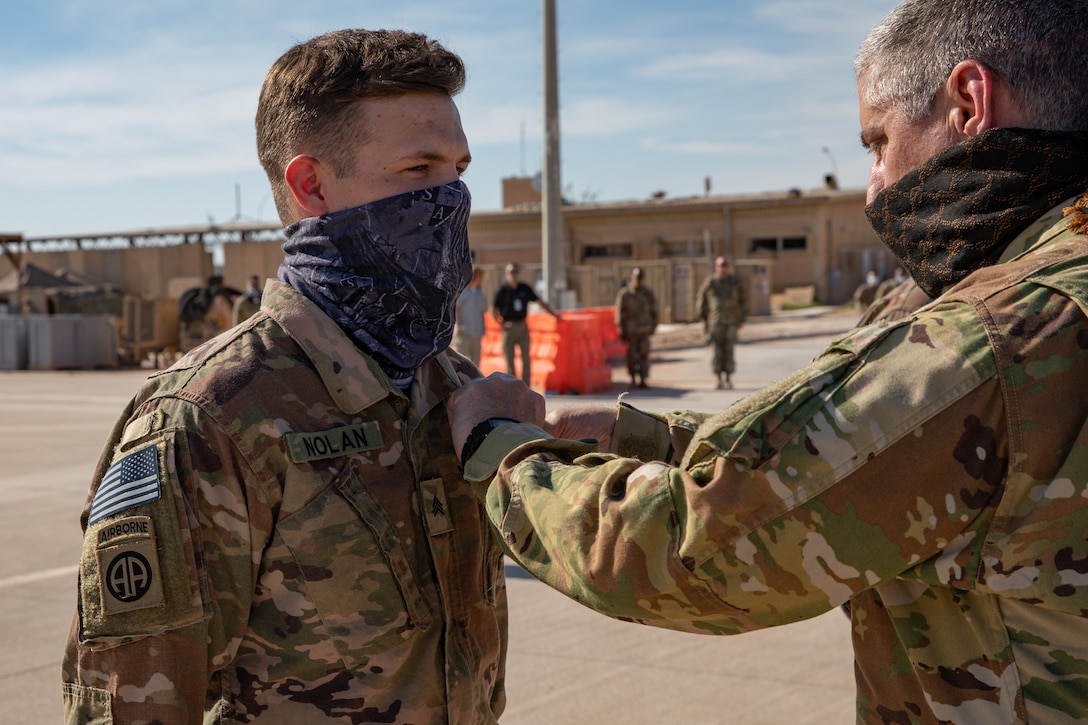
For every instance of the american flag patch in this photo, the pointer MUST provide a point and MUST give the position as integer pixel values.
(129, 482)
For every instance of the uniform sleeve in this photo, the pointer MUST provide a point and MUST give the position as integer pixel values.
(874, 459)
(899, 302)
(166, 575)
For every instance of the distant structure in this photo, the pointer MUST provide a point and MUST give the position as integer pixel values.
(802, 245)
(803, 238)
(210, 236)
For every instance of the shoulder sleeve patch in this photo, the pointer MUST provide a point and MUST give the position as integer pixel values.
(139, 572)
(130, 481)
(129, 565)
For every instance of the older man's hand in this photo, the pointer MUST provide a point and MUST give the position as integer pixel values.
(497, 396)
(583, 421)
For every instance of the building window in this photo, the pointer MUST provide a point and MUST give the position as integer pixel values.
(778, 244)
(687, 248)
(613, 251)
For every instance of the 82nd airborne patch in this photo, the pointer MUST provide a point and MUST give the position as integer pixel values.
(128, 564)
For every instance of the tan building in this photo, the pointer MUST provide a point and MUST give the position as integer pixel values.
(815, 238)
(816, 243)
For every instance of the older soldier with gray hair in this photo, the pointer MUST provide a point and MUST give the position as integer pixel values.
(931, 471)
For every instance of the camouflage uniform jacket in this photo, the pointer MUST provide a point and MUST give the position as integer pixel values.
(636, 311)
(308, 550)
(722, 301)
(930, 471)
(898, 301)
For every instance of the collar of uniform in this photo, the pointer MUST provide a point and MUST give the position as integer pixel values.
(1049, 226)
(352, 378)
(432, 384)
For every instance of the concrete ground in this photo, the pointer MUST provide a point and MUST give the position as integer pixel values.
(567, 665)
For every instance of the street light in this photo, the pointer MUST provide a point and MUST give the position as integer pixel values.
(831, 180)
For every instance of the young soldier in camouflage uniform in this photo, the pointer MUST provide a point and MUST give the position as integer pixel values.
(932, 471)
(723, 306)
(636, 320)
(278, 530)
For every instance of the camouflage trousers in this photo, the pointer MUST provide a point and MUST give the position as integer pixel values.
(468, 346)
(723, 339)
(638, 356)
(516, 334)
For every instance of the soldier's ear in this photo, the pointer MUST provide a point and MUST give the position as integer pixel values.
(967, 101)
(304, 175)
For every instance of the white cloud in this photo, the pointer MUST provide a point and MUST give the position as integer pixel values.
(611, 116)
(593, 117)
(501, 124)
(739, 62)
(140, 113)
(835, 18)
(703, 148)
(131, 100)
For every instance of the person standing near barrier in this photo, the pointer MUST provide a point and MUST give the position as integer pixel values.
(723, 307)
(279, 530)
(511, 306)
(468, 328)
(636, 320)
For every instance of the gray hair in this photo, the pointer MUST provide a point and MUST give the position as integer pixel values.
(1036, 47)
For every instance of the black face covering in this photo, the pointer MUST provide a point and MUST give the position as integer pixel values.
(959, 210)
(388, 272)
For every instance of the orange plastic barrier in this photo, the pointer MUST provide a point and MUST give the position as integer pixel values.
(614, 347)
(567, 355)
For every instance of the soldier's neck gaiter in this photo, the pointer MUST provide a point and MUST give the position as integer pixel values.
(388, 272)
(959, 210)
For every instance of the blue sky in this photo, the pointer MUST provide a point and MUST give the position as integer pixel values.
(127, 114)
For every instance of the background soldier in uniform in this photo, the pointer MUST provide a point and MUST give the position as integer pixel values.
(469, 327)
(249, 302)
(636, 320)
(931, 470)
(723, 307)
(278, 530)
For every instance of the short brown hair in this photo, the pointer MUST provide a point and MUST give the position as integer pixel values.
(308, 93)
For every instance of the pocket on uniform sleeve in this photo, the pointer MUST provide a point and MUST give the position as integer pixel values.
(356, 572)
(86, 705)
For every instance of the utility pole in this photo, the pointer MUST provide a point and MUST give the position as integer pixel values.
(552, 212)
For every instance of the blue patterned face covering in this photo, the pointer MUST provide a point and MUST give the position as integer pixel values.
(388, 272)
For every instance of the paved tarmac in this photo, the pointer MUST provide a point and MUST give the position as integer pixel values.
(567, 665)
